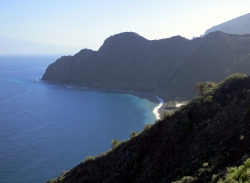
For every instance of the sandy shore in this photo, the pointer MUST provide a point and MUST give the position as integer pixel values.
(167, 107)
(156, 110)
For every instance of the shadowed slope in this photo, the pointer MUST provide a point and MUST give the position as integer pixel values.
(199, 140)
(166, 67)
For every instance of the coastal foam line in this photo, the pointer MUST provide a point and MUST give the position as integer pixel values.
(156, 109)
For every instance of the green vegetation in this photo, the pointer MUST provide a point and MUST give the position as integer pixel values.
(185, 179)
(196, 143)
(230, 79)
(200, 88)
(239, 174)
(166, 114)
(115, 143)
(204, 87)
(88, 158)
(170, 105)
(147, 127)
(133, 134)
(236, 76)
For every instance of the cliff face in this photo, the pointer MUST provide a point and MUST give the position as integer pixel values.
(239, 25)
(199, 140)
(166, 67)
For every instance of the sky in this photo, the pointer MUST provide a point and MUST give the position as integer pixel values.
(86, 23)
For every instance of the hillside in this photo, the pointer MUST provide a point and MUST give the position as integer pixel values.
(200, 140)
(239, 25)
(167, 67)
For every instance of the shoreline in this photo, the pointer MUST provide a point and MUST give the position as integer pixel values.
(156, 110)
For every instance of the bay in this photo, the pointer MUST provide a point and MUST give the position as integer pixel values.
(46, 128)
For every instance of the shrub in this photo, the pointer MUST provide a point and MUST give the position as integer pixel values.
(166, 114)
(236, 76)
(133, 134)
(115, 143)
(147, 127)
(238, 174)
(204, 87)
(88, 158)
(186, 179)
(209, 99)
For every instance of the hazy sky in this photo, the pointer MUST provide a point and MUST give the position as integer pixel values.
(85, 23)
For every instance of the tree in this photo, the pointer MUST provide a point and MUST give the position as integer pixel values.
(210, 84)
(200, 88)
(115, 143)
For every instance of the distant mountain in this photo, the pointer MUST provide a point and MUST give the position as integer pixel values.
(10, 46)
(167, 67)
(239, 25)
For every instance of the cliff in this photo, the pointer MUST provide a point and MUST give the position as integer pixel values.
(167, 67)
(200, 140)
(239, 25)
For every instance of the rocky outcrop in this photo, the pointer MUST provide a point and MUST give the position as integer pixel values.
(239, 25)
(167, 67)
(199, 140)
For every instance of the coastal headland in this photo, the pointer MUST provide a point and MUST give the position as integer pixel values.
(168, 68)
(190, 136)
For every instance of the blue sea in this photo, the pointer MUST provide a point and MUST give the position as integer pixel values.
(47, 128)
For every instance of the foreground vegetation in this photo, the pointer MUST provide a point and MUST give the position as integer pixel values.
(196, 143)
(237, 174)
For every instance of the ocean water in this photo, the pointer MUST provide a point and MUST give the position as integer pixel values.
(46, 128)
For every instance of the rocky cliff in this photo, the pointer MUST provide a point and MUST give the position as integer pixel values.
(200, 140)
(167, 67)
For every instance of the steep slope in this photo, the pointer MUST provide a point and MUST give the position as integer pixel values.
(125, 61)
(166, 67)
(239, 25)
(199, 140)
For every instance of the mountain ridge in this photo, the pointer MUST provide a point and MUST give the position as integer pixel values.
(238, 25)
(127, 61)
